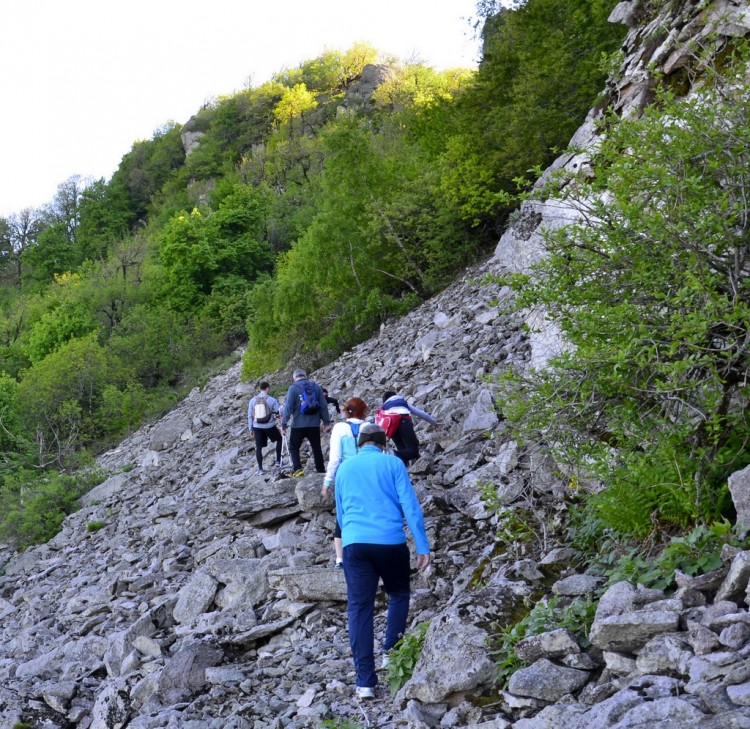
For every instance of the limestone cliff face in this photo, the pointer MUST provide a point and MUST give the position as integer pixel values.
(663, 44)
(360, 92)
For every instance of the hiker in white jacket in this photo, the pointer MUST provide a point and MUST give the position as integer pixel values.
(343, 444)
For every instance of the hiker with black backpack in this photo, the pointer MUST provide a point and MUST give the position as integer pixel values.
(261, 416)
(394, 416)
(305, 406)
(343, 445)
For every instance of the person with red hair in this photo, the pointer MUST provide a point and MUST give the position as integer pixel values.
(343, 444)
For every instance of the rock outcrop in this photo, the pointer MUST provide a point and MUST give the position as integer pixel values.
(668, 45)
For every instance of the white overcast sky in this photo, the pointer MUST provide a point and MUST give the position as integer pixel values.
(81, 80)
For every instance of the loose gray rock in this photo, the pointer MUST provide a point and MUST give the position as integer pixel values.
(546, 681)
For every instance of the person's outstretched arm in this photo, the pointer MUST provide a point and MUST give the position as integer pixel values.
(423, 415)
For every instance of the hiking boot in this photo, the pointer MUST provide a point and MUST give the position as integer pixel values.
(299, 473)
(365, 692)
(260, 472)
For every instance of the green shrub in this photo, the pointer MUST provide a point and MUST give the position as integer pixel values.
(33, 506)
(122, 411)
(693, 553)
(576, 616)
(651, 397)
(339, 723)
(63, 394)
(95, 526)
(404, 656)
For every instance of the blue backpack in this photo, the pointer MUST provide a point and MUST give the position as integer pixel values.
(349, 445)
(308, 401)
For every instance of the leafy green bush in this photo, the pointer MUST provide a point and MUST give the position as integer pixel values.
(122, 411)
(33, 506)
(68, 320)
(339, 723)
(95, 526)
(155, 342)
(12, 446)
(693, 553)
(197, 249)
(62, 396)
(649, 289)
(404, 656)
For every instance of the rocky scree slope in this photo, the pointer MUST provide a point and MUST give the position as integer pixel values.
(207, 599)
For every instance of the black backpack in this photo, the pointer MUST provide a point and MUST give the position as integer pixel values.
(308, 400)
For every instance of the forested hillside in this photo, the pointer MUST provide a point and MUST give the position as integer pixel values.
(293, 217)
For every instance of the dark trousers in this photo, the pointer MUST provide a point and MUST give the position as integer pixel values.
(364, 565)
(405, 440)
(262, 436)
(313, 438)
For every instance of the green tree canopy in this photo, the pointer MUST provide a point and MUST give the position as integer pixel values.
(539, 75)
(199, 248)
(62, 395)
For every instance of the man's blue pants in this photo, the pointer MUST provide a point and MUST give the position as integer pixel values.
(364, 566)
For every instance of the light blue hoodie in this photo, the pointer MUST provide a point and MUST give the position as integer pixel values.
(373, 497)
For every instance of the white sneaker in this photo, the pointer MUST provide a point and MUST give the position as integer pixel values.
(385, 660)
(365, 692)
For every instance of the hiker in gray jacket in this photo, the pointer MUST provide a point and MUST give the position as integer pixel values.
(305, 406)
(264, 429)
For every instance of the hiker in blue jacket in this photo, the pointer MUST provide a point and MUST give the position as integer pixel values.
(263, 425)
(343, 445)
(305, 406)
(405, 439)
(373, 497)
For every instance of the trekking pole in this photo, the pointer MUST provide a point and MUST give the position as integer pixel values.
(284, 451)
